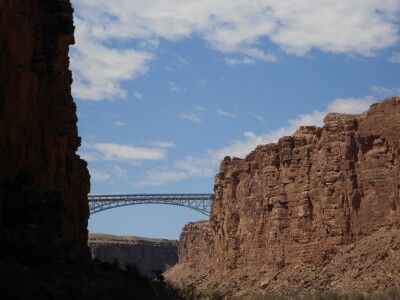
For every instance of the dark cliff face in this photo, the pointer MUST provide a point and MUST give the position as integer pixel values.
(301, 200)
(43, 183)
(147, 255)
(38, 132)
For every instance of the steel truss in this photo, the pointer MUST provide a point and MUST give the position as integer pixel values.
(198, 202)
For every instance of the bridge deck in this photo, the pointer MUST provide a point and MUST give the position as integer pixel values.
(198, 202)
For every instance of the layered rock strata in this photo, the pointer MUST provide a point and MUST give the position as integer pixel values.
(38, 132)
(301, 200)
(148, 255)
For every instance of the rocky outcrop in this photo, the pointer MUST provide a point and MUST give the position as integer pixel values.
(38, 132)
(146, 254)
(301, 200)
(370, 265)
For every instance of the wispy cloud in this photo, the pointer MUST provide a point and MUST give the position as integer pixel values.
(223, 113)
(395, 58)
(116, 173)
(163, 144)
(137, 95)
(192, 117)
(99, 175)
(239, 61)
(173, 87)
(201, 82)
(386, 91)
(181, 61)
(257, 117)
(119, 123)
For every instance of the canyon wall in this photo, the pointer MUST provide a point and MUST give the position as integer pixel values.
(301, 200)
(145, 253)
(43, 182)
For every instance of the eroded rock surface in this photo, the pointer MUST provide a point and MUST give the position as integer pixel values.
(38, 132)
(301, 200)
(146, 254)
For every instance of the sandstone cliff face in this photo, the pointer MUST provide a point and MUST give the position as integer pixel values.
(146, 254)
(301, 200)
(38, 133)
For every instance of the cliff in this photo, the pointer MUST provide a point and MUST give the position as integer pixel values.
(146, 254)
(298, 202)
(43, 183)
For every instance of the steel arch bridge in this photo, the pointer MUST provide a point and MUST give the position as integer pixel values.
(198, 202)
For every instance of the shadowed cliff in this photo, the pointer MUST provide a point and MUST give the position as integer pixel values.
(38, 132)
(148, 255)
(43, 182)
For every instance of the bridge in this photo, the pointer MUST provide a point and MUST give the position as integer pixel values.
(199, 202)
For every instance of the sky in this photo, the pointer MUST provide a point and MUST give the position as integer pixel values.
(165, 89)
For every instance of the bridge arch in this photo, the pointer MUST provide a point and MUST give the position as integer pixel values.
(198, 202)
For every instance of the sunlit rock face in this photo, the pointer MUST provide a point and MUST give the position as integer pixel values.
(38, 132)
(299, 201)
(148, 255)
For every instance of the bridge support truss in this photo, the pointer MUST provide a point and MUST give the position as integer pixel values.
(198, 202)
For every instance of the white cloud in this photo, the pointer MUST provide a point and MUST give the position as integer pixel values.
(206, 165)
(192, 117)
(229, 26)
(351, 105)
(137, 95)
(257, 117)
(236, 61)
(120, 172)
(119, 123)
(223, 113)
(99, 175)
(395, 58)
(112, 151)
(385, 91)
(99, 69)
(161, 177)
(111, 175)
(181, 61)
(94, 152)
(163, 144)
(201, 82)
(173, 87)
(89, 156)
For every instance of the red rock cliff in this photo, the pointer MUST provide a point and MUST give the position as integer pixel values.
(299, 201)
(38, 132)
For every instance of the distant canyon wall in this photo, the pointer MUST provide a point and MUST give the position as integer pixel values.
(43, 182)
(301, 200)
(146, 254)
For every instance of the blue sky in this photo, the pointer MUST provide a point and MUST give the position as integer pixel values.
(166, 89)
